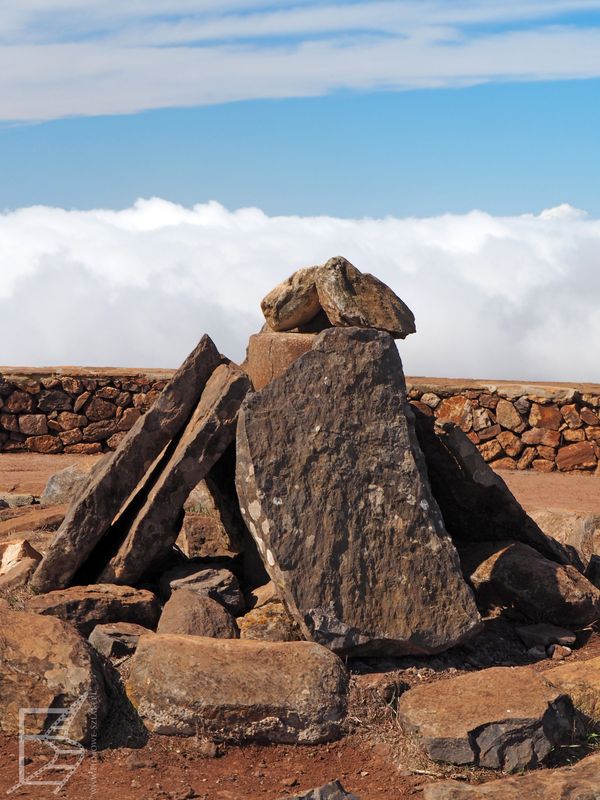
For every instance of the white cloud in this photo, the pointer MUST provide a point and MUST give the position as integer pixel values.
(494, 297)
(70, 57)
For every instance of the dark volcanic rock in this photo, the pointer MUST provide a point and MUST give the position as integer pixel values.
(334, 489)
(89, 519)
(209, 432)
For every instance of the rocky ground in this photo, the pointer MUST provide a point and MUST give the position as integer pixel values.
(375, 760)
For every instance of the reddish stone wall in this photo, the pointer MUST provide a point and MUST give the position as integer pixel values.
(537, 426)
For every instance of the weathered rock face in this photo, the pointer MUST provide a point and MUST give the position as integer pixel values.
(581, 681)
(237, 690)
(579, 782)
(343, 514)
(44, 663)
(13, 551)
(331, 791)
(271, 622)
(88, 606)
(197, 615)
(475, 502)
(514, 573)
(64, 486)
(293, 302)
(579, 532)
(500, 718)
(117, 639)
(218, 583)
(352, 298)
(209, 432)
(18, 575)
(543, 634)
(89, 519)
(270, 354)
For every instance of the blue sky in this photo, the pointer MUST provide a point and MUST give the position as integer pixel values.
(344, 108)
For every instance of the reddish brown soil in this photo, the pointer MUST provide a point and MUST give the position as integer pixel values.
(555, 490)
(27, 473)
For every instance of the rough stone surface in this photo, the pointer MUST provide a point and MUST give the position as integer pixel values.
(18, 575)
(89, 519)
(88, 606)
(514, 573)
(44, 663)
(196, 614)
(581, 681)
(218, 583)
(502, 718)
(270, 354)
(210, 431)
(14, 500)
(64, 486)
(579, 782)
(331, 791)
(238, 690)
(543, 635)
(271, 622)
(355, 299)
(507, 416)
(293, 302)
(117, 639)
(578, 531)
(580, 455)
(344, 510)
(14, 550)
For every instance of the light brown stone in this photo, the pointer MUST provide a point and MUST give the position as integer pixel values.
(490, 450)
(270, 354)
(589, 417)
(69, 420)
(293, 302)
(197, 615)
(570, 436)
(89, 519)
(33, 424)
(458, 410)
(511, 444)
(14, 550)
(128, 418)
(19, 403)
(543, 465)
(527, 457)
(505, 463)
(507, 415)
(543, 436)
(351, 298)
(44, 444)
(581, 681)
(271, 623)
(545, 417)
(576, 456)
(489, 433)
(578, 531)
(84, 448)
(571, 416)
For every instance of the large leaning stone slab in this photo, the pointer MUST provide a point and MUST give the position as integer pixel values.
(512, 573)
(353, 298)
(234, 690)
(293, 302)
(500, 718)
(333, 487)
(44, 663)
(210, 431)
(88, 606)
(88, 520)
(579, 782)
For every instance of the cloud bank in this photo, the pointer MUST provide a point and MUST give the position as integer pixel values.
(70, 57)
(494, 297)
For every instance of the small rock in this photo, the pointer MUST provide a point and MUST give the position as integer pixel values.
(543, 634)
(16, 500)
(558, 652)
(197, 614)
(332, 791)
(293, 302)
(117, 639)
(219, 584)
(64, 486)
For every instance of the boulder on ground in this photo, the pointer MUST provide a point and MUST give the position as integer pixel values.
(45, 664)
(502, 718)
(578, 531)
(235, 690)
(543, 635)
(293, 302)
(579, 782)
(64, 486)
(12, 500)
(331, 791)
(270, 354)
(154, 530)
(13, 551)
(342, 509)
(351, 298)
(89, 519)
(88, 606)
(512, 573)
(216, 582)
(117, 639)
(581, 681)
(197, 615)
(271, 622)
(17, 576)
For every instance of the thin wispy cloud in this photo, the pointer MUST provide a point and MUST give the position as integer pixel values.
(494, 297)
(70, 57)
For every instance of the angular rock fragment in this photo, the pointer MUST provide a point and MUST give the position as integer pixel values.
(581, 681)
(501, 718)
(64, 486)
(15, 550)
(515, 574)
(293, 302)
(89, 519)
(117, 639)
(351, 298)
(209, 432)
(270, 354)
(197, 615)
(579, 782)
(271, 622)
(577, 531)
(342, 513)
(543, 634)
(234, 690)
(88, 606)
(18, 575)
(331, 791)
(216, 582)
(44, 663)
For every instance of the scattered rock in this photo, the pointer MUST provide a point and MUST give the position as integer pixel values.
(579, 782)
(88, 606)
(293, 302)
(351, 472)
(271, 622)
(501, 718)
(117, 639)
(351, 298)
(197, 615)
(11, 500)
(218, 583)
(558, 652)
(64, 486)
(542, 590)
(15, 550)
(331, 791)
(235, 690)
(44, 663)
(577, 531)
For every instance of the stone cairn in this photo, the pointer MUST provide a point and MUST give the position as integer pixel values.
(260, 522)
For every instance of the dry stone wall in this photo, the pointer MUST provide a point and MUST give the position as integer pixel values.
(538, 426)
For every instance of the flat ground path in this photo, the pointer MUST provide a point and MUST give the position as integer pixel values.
(27, 473)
